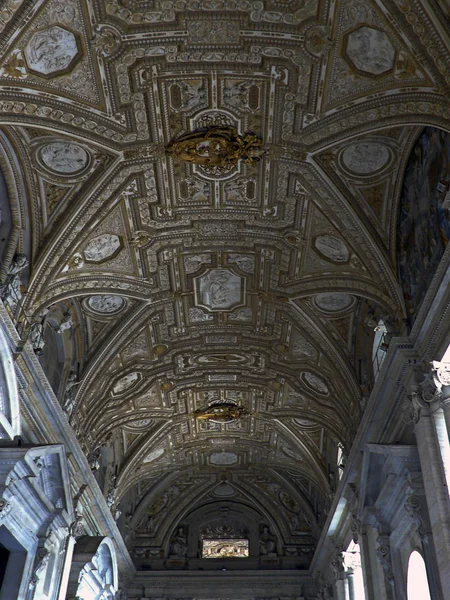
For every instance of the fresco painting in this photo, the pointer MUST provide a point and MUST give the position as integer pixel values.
(423, 225)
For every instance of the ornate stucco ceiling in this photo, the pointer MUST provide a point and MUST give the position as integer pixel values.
(186, 289)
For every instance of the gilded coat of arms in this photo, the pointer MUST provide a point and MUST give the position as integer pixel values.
(217, 147)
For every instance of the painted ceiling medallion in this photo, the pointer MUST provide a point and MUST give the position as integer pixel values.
(53, 51)
(64, 158)
(223, 412)
(216, 148)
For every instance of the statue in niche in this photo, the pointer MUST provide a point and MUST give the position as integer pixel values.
(225, 412)
(267, 542)
(178, 544)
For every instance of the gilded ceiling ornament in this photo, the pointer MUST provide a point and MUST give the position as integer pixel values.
(225, 412)
(140, 238)
(217, 147)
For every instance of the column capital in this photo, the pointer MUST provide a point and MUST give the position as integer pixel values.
(441, 374)
(337, 564)
(425, 392)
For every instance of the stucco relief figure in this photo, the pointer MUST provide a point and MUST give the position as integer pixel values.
(52, 50)
(225, 412)
(64, 157)
(102, 247)
(237, 95)
(245, 263)
(370, 50)
(365, 157)
(267, 542)
(192, 93)
(178, 546)
(216, 147)
(105, 304)
(332, 248)
(219, 289)
(333, 302)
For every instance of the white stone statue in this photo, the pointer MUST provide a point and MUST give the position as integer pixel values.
(36, 337)
(10, 291)
(66, 323)
(69, 394)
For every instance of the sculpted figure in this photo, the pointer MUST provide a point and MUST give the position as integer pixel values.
(36, 337)
(179, 543)
(66, 323)
(69, 394)
(267, 542)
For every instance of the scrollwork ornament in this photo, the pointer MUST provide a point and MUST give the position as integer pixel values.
(107, 40)
(413, 506)
(384, 556)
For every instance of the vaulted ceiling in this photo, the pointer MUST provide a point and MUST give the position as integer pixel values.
(257, 286)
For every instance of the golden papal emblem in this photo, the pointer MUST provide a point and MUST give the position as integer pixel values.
(217, 147)
(223, 412)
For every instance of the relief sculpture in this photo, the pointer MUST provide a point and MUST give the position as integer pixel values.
(52, 51)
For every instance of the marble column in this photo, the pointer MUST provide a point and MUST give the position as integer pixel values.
(424, 402)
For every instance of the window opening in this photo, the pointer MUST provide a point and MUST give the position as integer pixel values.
(417, 587)
(225, 548)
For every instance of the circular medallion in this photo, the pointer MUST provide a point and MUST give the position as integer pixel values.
(65, 158)
(315, 382)
(105, 305)
(365, 158)
(333, 302)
